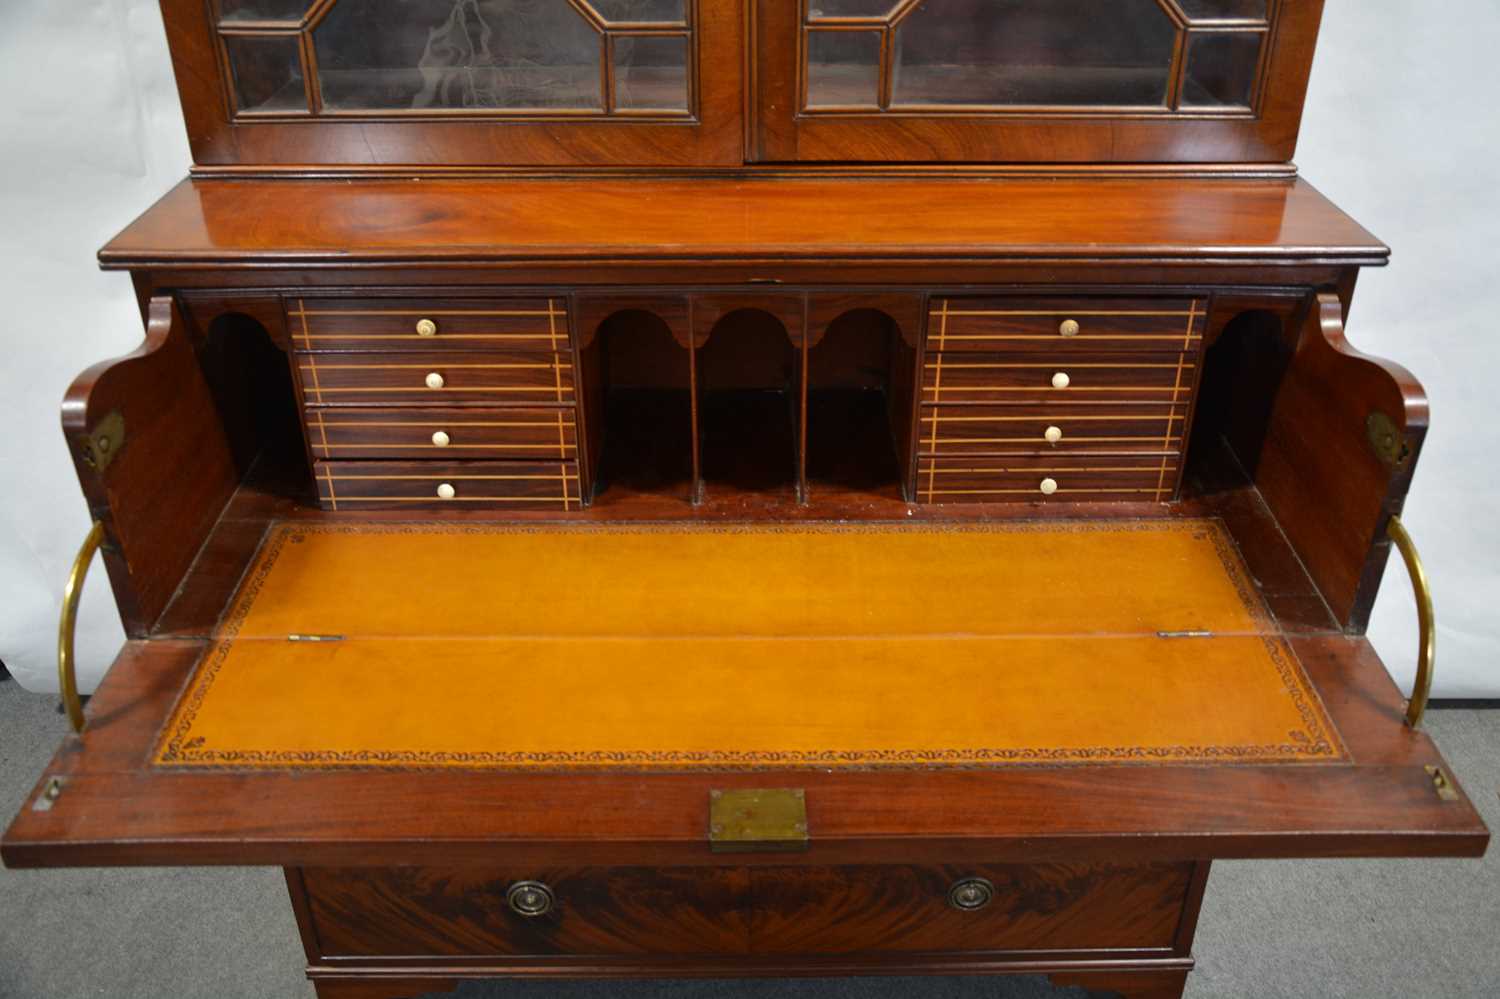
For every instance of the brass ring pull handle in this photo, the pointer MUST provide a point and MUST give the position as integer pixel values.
(1427, 651)
(67, 679)
(530, 899)
(971, 894)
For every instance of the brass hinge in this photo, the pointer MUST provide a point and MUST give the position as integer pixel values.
(1388, 443)
(1445, 790)
(771, 820)
(315, 638)
(49, 795)
(1184, 634)
(103, 441)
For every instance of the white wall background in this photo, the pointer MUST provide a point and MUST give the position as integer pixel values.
(1401, 131)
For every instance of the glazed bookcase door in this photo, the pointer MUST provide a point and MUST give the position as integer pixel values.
(1031, 80)
(462, 82)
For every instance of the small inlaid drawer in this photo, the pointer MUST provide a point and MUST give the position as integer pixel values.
(1048, 478)
(1068, 325)
(444, 434)
(1050, 428)
(1097, 378)
(465, 324)
(494, 377)
(500, 485)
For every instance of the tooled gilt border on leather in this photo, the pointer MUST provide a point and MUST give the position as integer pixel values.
(1316, 741)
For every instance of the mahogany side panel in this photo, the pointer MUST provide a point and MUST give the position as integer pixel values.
(1321, 477)
(165, 473)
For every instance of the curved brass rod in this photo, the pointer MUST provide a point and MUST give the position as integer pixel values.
(67, 679)
(1427, 642)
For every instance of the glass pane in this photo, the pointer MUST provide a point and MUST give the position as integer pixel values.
(267, 72)
(262, 10)
(1225, 9)
(818, 9)
(641, 11)
(434, 54)
(1221, 69)
(843, 68)
(651, 72)
(1080, 53)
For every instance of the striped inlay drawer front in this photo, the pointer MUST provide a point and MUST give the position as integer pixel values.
(1007, 378)
(507, 485)
(1052, 428)
(538, 324)
(1067, 325)
(1048, 478)
(495, 377)
(443, 434)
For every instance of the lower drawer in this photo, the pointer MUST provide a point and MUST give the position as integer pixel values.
(424, 912)
(507, 485)
(427, 912)
(849, 910)
(1058, 478)
(540, 433)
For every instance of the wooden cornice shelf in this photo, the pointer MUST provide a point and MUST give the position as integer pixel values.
(685, 221)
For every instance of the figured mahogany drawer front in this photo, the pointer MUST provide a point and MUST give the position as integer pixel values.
(734, 911)
(507, 485)
(1065, 326)
(421, 912)
(1055, 428)
(443, 434)
(848, 910)
(1059, 478)
(493, 377)
(535, 324)
(1030, 378)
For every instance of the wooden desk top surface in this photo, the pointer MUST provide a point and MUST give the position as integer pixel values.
(1371, 795)
(214, 222)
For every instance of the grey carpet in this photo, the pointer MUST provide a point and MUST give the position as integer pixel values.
(1370, 929)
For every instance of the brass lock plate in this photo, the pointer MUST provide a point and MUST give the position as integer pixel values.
(104, 441)
(756, 820)
(1388, 443)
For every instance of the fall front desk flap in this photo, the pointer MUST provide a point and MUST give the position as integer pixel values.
(688, 646)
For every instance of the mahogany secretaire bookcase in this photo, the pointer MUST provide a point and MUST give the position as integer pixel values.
(744, 487)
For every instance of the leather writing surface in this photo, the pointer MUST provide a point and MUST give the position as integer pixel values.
(681, 646)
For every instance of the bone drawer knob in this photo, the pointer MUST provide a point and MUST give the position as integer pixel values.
(1061, 380)
(1069, 327)
(435, 380)
(1053, 434)
(441, 439)
(446, 491)
(1048, 487)
(426, 327)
